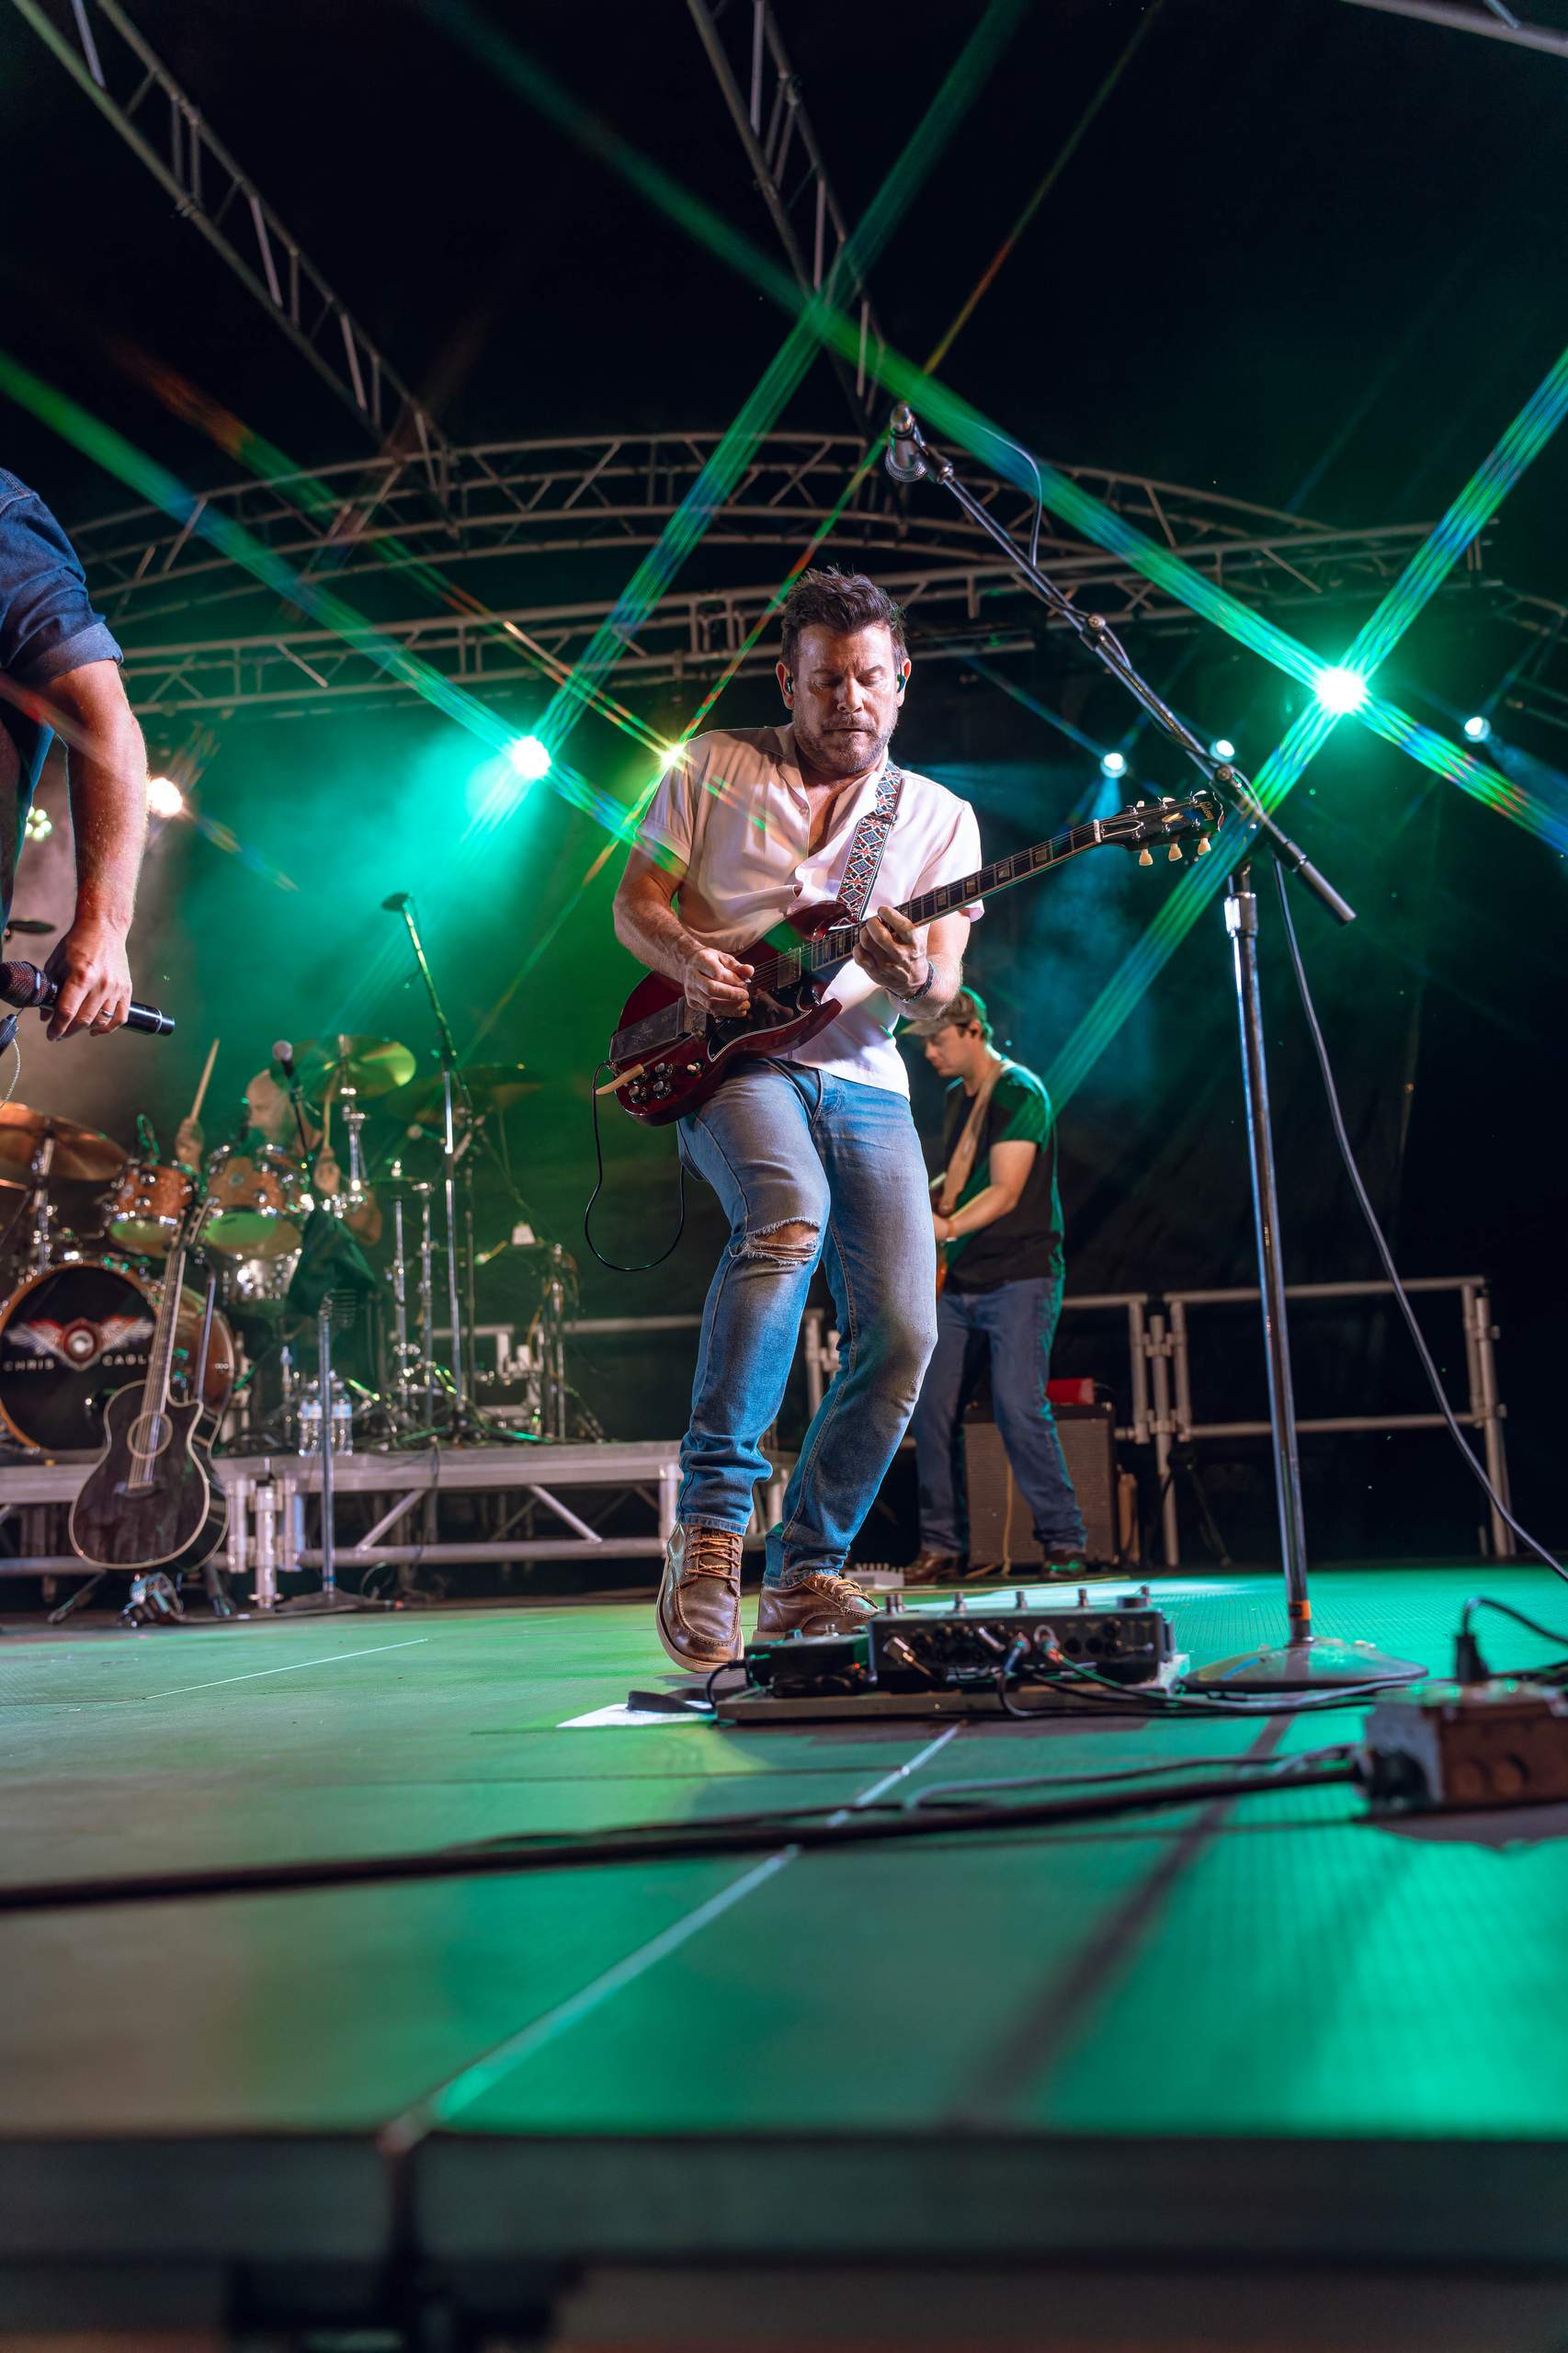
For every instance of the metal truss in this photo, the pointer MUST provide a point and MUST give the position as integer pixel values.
(105, 54)
(762, 91)
(528, 520)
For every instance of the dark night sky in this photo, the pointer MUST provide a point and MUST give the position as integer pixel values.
(1306, 255)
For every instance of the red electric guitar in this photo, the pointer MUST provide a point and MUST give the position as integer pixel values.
(667, 1062)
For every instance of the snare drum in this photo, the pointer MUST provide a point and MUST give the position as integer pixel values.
(262, 1200)
(144, 1205)
(70, 1337)
(256, 1286)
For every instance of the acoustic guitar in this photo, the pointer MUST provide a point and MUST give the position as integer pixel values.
(667, 1062)
(150, 1501)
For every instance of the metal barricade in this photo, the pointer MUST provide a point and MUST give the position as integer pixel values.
(1484, 1412)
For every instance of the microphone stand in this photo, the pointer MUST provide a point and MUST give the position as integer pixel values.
(466, 1423)
(1304, 1661)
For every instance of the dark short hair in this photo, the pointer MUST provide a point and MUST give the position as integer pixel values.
(841, 601)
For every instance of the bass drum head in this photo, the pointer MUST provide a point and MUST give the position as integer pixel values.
(70, 1337)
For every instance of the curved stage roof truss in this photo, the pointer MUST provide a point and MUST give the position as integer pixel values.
(201, 634)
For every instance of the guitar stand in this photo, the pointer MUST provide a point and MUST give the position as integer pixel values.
(77, 1600)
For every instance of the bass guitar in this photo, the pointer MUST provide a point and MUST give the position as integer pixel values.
(667, 1062)
(150, 1501)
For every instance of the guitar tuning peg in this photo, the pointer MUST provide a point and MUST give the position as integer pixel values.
(1173, 854)
(1145, 856)
(1204, 846)
(1166, 799)
(1139, 804)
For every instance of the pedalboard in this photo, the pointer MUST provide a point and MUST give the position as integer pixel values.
(958, 1660)
(1464, 1746)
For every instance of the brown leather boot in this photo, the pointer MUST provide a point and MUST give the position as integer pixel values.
(700, 1599)
(936, 1568)
(820, 1604)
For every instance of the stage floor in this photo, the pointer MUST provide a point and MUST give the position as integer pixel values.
(1260, 2029)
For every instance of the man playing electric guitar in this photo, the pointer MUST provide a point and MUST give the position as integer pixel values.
(997, 1214)
(812, 1153)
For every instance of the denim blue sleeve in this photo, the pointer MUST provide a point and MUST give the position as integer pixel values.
(47, 624)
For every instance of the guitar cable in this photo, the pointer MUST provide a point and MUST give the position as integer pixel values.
(1379, 1241)
(643, 1266)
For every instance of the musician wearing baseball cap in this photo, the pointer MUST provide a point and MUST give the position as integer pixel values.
(997, 1213)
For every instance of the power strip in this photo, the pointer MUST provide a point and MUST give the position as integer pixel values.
(1467, 1746)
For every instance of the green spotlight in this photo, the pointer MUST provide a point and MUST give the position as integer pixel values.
(1113, 764)
(1477, 728)
(1340, 691)
(529, 758)
(1223, 748)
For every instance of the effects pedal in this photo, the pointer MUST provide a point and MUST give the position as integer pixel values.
(959, 1660)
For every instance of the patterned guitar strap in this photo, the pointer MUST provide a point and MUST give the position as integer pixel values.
(864, 862)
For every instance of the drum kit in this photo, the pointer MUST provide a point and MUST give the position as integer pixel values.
(78, 1306)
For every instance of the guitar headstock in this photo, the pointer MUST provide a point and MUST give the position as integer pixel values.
(1166, 820)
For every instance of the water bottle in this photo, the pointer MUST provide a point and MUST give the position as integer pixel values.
(341, 1435)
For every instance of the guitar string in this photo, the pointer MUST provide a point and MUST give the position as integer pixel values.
(836, 946)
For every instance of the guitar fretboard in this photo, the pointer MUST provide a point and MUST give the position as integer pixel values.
(160, 1366)
(809, 958)
(837, 946)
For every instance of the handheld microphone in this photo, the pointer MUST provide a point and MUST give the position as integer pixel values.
(24, 984)
(903, 461)
(283, 1056)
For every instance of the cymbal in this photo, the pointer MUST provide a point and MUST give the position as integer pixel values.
(79, 1153)
(372, 1066)
(492, 1086)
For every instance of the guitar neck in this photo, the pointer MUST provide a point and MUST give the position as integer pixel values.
(835, 947)
(160, 1357)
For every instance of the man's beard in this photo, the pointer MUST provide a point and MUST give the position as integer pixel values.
(840, 751)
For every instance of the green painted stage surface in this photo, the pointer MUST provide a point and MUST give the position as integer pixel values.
(1264, 2024)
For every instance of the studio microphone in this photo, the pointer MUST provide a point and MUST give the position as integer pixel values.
(283, 1056)
(24, 984)
(903, 461)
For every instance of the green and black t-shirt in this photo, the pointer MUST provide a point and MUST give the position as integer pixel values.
(1025, 1244)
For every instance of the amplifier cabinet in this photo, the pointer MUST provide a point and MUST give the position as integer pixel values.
(1001, 1526)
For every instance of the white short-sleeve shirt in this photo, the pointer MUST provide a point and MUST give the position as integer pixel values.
(733, 814)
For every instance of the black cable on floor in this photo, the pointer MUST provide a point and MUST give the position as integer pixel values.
(658, 1843)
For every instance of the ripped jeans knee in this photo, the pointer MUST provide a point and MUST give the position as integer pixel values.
(788, 1241)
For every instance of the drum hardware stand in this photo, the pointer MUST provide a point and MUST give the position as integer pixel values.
(212, 1575)
(40, 1209)
(329, 1598)
(464, 1422)
(1304, 1661)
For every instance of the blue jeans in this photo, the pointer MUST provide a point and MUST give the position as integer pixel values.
(1014, 1324)
(801, 1148)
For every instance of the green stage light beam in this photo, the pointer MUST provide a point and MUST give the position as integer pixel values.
(1422, 576)
(309, 498)
(809, 332)
(964, 424)
(714, 483)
